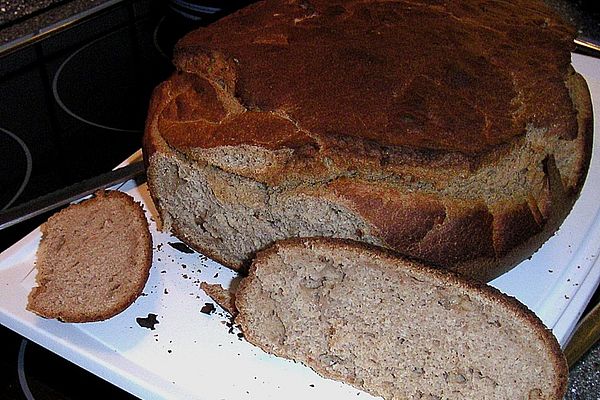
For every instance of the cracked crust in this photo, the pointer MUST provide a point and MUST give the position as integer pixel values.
(340, 306)
(495, 141)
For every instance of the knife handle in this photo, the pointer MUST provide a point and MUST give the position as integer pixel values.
(587, 333)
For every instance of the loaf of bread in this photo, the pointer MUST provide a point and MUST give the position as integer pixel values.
(93, 260)
(394, 327)
(455, 132)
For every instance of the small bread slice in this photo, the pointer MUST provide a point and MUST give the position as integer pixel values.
(93, 260)
(394, 327)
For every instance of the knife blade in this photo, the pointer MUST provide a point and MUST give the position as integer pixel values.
(587, 46)
(69, 194)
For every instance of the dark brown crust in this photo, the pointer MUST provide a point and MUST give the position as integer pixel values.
(417, 224)
(412, 266)
(149, 143)
(249, 52)
(145, 252)
(248, 62)
(507, 232)
(585, 120)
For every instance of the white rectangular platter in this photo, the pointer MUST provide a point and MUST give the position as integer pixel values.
(194, 355)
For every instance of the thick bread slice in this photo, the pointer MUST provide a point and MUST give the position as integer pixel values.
(93, 260)
(395, 123)
(394, 327)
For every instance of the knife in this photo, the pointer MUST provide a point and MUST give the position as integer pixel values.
(69, 194)
(587, 333)
(587, 46)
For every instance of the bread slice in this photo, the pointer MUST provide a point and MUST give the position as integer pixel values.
(394, 327)
(93, 260)
(393, 123)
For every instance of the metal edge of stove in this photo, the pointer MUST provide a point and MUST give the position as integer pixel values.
(62, 24)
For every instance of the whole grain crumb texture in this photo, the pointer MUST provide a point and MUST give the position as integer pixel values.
(456, 132)
(93, 259)
(395, 328)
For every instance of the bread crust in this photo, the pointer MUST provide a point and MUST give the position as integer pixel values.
(224, 104)
(414, 268)
(223, 297)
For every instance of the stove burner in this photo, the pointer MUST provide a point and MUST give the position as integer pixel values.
(155, 40)
(102, 69)
(168, 30)
(194, 10)
(21, 371)
(7, 158)
(37, 368)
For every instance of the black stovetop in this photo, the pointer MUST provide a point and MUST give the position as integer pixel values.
(73, 96)
(73, 102)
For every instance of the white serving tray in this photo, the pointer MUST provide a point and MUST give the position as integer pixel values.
(193, 355)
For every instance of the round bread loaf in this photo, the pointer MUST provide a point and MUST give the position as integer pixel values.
(394, 327)
(455, 132)
(93, 260)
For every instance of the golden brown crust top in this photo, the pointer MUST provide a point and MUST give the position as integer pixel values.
(451, 76)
